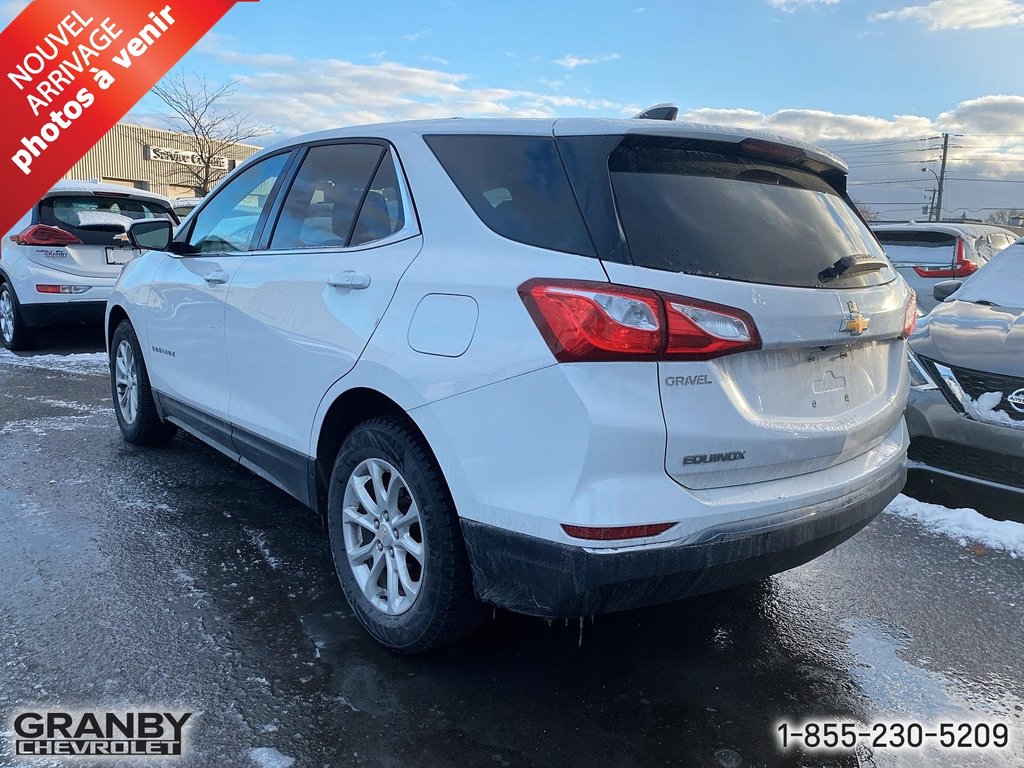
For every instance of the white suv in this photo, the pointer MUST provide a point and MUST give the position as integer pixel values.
(564, 367)
(61, 259)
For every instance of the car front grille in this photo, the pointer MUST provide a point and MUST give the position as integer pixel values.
(978, 383)
(965, 460)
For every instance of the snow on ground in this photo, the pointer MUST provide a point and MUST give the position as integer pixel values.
(268, 757)
(964, 525)
(84, 362)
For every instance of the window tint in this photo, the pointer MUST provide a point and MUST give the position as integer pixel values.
(228, 221)
(382, 214)
(517, 186)
(97, 219)
(322, 202)
(734, 217)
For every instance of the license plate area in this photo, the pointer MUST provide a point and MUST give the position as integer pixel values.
(121, 256)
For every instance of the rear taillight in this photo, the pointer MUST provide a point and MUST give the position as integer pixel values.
(961, 266)
(698, 330)
(587, 321)
(616, 533)
(41, 234)
(910, 315)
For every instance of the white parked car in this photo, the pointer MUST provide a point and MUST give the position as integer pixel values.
(926, 253)
(61, 259)
(183, 206)
(564, 367)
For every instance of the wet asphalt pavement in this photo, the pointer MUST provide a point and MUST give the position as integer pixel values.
(174, 578)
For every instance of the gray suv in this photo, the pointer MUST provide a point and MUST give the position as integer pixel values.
(966, 409)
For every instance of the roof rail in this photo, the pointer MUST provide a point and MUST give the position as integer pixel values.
(664, 111)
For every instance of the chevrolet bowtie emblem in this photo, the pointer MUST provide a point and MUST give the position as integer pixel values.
(856, 324)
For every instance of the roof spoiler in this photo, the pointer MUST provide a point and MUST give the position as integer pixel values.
(665, 111)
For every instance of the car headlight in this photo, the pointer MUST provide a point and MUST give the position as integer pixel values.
(919, 377)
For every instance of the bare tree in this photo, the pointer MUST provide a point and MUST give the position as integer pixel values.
(1006, 216)
(869, 213)
(196, 109)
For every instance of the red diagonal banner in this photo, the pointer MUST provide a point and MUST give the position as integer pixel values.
(71, 69)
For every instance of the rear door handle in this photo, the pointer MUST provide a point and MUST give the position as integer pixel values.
(216, 277)
(349, 279)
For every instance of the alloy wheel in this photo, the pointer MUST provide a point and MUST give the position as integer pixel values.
(6, 316)
(383, 535)
(126, 378)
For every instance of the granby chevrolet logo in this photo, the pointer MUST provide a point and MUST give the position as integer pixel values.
(95, 734)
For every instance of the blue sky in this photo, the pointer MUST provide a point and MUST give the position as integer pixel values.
(699, 53)
(872, 79)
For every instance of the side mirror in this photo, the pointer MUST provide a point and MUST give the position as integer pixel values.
(945, 289)
(151, 234)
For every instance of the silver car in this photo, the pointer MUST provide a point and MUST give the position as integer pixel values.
(966, 409)
(926, 253)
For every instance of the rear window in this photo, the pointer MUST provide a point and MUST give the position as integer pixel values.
(734, 217)
(517, 186)
(96, 219)
(908, 247)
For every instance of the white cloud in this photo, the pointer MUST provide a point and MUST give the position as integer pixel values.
(298, 95)
(959, 14)
(571, 61)
(415, 35)
(436, 60)
(791, 6)
(816, 125)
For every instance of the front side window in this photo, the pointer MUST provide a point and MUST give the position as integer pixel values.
(321, 207)
(228, 221)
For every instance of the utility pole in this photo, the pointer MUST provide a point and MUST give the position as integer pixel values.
(942, 177)
(931, 206)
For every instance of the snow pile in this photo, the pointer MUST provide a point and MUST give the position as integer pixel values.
(84, 362)
(986, 406)
(268, 757)
(964, 525)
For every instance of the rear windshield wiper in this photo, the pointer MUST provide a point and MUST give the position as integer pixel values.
(854, 264)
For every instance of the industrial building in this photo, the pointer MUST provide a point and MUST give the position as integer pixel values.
(150, 158)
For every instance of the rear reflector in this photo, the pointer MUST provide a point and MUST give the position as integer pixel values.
(617, 533)
(75, 289)
(41, 234)
(589, 321)
(961, 266)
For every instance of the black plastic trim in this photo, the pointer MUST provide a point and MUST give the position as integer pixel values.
(39, 315)
(289, 470)
(555, 580)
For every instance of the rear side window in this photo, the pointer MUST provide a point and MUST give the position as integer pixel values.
(909, 247)
(517, 186)
(734, 217)
(322, 204)
(97, 219)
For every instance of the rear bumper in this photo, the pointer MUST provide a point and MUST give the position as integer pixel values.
(38, 315)
(550, 579)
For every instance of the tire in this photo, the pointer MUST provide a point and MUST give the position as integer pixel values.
(432, 603)
(137, 415)
(14, 334)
